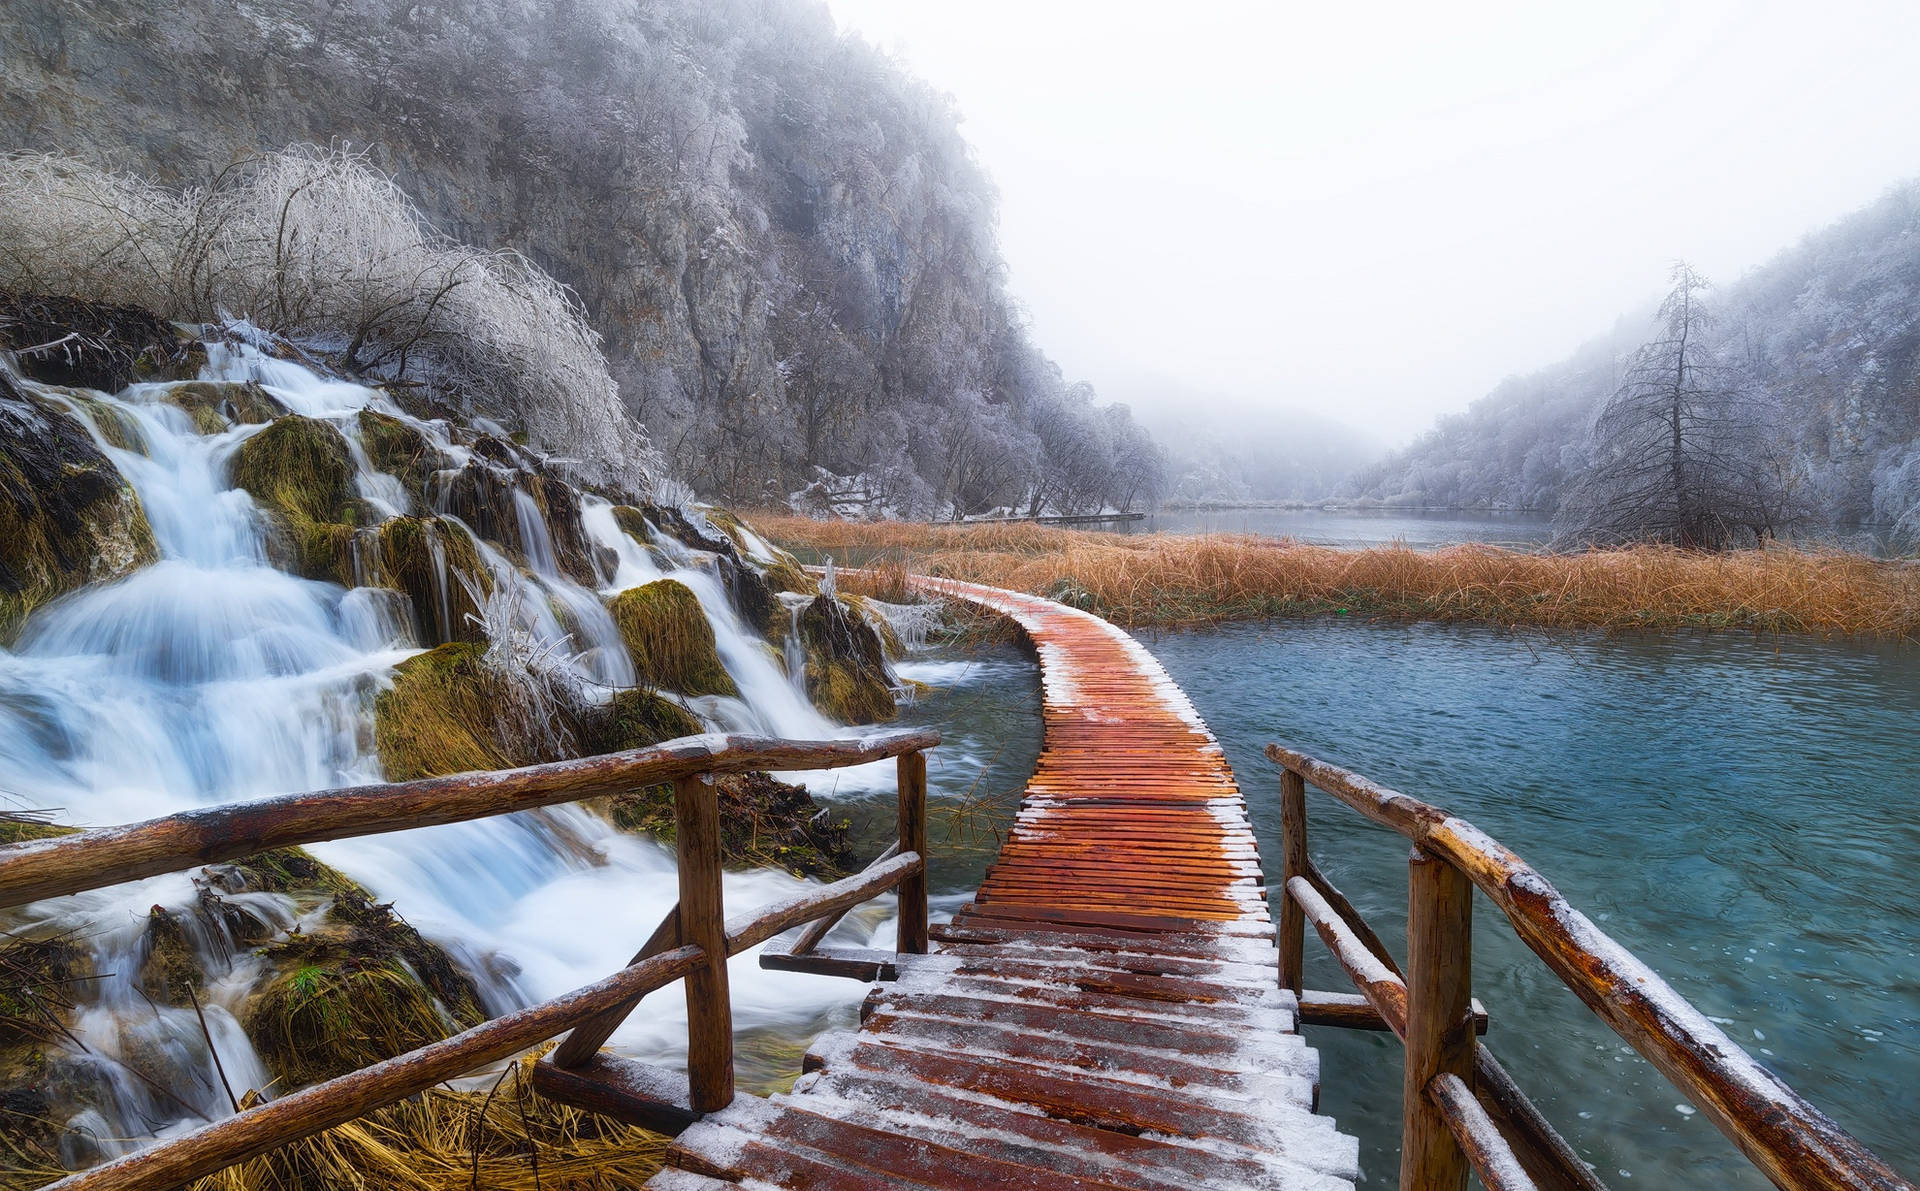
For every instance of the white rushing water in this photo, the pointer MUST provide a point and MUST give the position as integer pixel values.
(211, 676)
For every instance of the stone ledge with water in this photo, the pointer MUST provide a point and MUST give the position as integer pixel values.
(236, 575)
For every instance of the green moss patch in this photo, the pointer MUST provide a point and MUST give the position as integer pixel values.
(18, 829)
(636, 719)
(301, 470)
(365, 987)
(434, 562)
(437, 718)
(399, 449)
(67, 516)
(169, 971)
(846, 664)
(671, 642)
(763, 822)
(215, 406)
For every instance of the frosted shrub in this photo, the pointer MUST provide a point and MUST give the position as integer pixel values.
(316, 245)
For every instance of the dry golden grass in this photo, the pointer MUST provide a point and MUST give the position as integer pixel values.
(1159, 579)
(443, 1140)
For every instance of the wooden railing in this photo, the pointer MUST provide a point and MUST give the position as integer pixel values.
(1461, 1110)
(692, 942)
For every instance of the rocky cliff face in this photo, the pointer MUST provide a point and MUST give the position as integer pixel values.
(781, 236)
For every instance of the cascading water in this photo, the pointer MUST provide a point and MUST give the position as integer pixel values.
(211, 676)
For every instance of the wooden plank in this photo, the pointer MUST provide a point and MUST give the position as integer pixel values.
(623, 1089)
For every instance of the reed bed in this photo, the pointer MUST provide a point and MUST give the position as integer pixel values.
(1178, 580)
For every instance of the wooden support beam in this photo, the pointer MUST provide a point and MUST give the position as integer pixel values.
(1439, 1034)
(854, 963)
(767, 921)
(820, 928)
(913, 838)
(1294, 863)
(1486, 1150)
(623, 1089)
(589, 1036)
(1352, 917)
(703, 923)
(1351, 1011)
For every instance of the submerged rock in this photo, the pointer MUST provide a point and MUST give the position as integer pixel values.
(670, 639)
(93, 345)
(67, 516)
(169, 972)
(846, 664)
(301, 471)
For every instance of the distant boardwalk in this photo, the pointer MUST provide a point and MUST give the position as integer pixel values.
(1106, 1012)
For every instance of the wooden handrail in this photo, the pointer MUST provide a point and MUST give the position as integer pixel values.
(39, 869)
(1789, 1140)
(693, 941)
(267, 1126)
(1492, 1158)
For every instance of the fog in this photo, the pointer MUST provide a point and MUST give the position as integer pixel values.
(1377, 212)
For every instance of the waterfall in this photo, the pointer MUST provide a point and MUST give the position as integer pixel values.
(211, 676)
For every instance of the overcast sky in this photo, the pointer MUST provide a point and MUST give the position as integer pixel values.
(1377, 211)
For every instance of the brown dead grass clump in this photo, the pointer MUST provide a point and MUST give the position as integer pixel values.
(447, 1140)
(1158, 579)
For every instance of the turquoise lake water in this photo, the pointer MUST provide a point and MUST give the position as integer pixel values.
(1738, 811)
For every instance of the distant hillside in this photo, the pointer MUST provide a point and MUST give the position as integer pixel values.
(1219, 451)
(1830, 330)
(781, 235)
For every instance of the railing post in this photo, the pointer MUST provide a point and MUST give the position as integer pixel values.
(1293, 845)
(1439, 1019)
(913, 838)
(703, 923)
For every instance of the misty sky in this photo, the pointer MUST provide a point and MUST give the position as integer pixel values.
(1377, 211)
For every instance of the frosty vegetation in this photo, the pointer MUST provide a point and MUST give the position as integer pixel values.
(1687, 450)
(318, 246)
(1822, 347)
(782, 236)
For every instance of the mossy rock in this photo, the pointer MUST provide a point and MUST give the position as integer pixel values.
(889, 640)
(846, 664)
(399, 449)
(113, 422)
(748, 589)
(169, 971)
(636, 719)
(364, 987)
(438, 716)
(301, 471)
(671, 642)
(67, 516)
(432, 561)
(559, 506)
(763, 822)
(215, 406)
(481, 496)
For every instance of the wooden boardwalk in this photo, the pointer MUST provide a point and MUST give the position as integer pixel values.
(1104, 1014)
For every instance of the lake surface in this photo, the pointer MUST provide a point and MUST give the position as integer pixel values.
(1738, 811)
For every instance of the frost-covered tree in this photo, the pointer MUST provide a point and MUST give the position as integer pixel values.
(1680, 449)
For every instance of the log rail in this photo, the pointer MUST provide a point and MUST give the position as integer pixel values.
(1461, 1108)
(691, 945)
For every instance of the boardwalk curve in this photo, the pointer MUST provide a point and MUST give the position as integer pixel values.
(1104, 1014)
